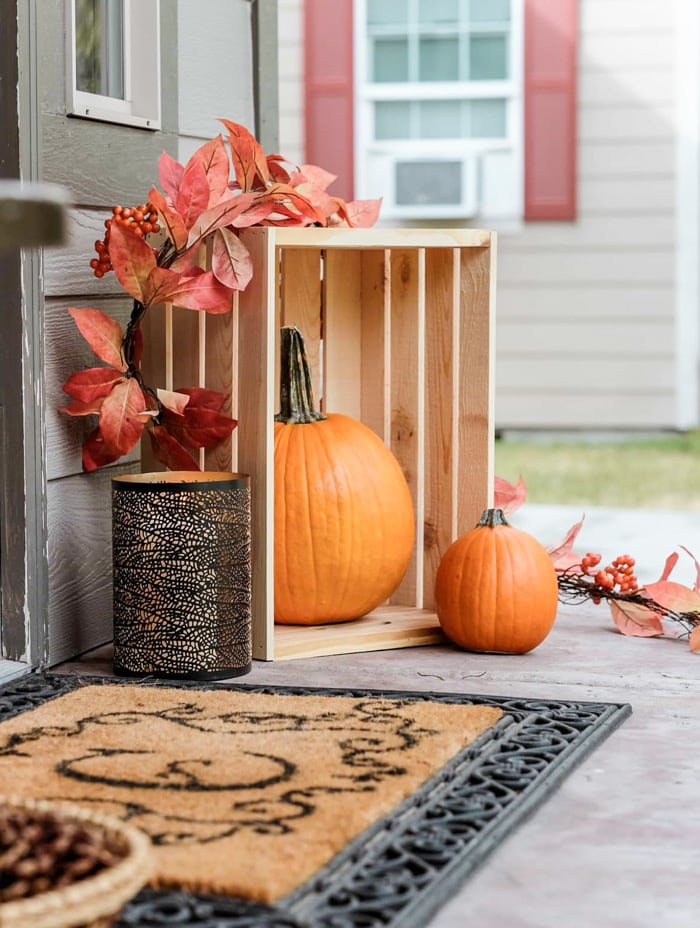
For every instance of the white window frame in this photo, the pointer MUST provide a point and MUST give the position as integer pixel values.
(469, 149)
(141, 104)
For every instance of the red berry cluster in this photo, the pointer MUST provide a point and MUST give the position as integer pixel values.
(617, 575)
(142, 220)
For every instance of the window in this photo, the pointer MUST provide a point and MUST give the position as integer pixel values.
(114, 60)
(439, 106)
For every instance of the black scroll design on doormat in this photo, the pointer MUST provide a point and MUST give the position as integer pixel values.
(403, 868)
(368, 742)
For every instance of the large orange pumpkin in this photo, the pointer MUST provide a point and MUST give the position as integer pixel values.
(344, 522)
(496, 588)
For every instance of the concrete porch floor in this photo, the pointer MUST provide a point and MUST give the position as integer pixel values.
(618, 844)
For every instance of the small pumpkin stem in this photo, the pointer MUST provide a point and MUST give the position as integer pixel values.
(296, 391)
(492, 518)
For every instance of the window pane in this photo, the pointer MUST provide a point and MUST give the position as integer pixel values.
(99, 47)
(488, 58)
(439, 59)
(390, 60)
(488, 119)
(438, 11)
(392, 120)
(387, 12)
(489, 11)
(440, 119)
(425, 183)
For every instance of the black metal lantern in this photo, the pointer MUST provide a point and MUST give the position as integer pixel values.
(182, 574)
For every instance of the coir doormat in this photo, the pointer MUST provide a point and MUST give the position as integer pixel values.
(295, 806)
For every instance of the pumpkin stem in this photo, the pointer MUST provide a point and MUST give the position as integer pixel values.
(296, 392)
(492, 518)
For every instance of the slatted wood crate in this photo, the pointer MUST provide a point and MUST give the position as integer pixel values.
(399, 329)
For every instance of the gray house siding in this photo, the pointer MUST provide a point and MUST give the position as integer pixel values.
(207, 70)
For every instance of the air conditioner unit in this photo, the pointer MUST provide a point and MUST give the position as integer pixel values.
(433, 188)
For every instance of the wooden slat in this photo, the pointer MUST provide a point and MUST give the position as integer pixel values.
(387, 628)
(375, 349)
(442, 321)
(407, 296)
(221, 373)
(256, 366)
(340, 237)
(342, 328)
(475, 386)
(300, 304)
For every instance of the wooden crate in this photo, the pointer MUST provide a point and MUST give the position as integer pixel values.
(399, 329)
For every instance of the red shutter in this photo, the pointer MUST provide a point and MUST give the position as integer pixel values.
(328, 90)
(551, 36)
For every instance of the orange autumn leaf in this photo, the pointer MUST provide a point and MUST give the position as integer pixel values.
(508, 496)
(102, 333)
(563, 555)
(123, 416)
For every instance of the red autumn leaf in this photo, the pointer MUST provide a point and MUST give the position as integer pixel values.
(170, 219)
(247, 156)
(170, 174)
(284, 196)
(102, 333)
(508, 496)
(193, 288)
(203, 398)
(132, 258)
(671, 596)
(277, 170)
(696, 585)
(97, 452)
(198, 426)
(636, 620)
(225, 213)
(193, 195)
(173, 401)
(169, 451)
(83, 407)
(317, 176)
(230, 261)
(123, 415)
(323, 202)
(92, 383)
(562, 554)
(214, 160)
(695, 639)
(359, 214)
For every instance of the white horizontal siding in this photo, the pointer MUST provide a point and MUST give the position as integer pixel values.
(585, 337)
(578, 267)
(622, 17)
(604, 158)
(599, 231)
(592, 301)
(559, 410)
(585, 310)
(603, 377)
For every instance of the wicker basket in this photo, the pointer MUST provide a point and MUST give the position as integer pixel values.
(94, 901)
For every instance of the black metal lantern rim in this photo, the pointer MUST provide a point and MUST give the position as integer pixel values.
(180, 481)
(223, 673)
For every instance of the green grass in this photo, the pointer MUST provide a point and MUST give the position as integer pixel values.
(654, 473)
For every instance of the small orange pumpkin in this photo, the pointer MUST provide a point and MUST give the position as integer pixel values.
(496, 588)
(344, 522)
